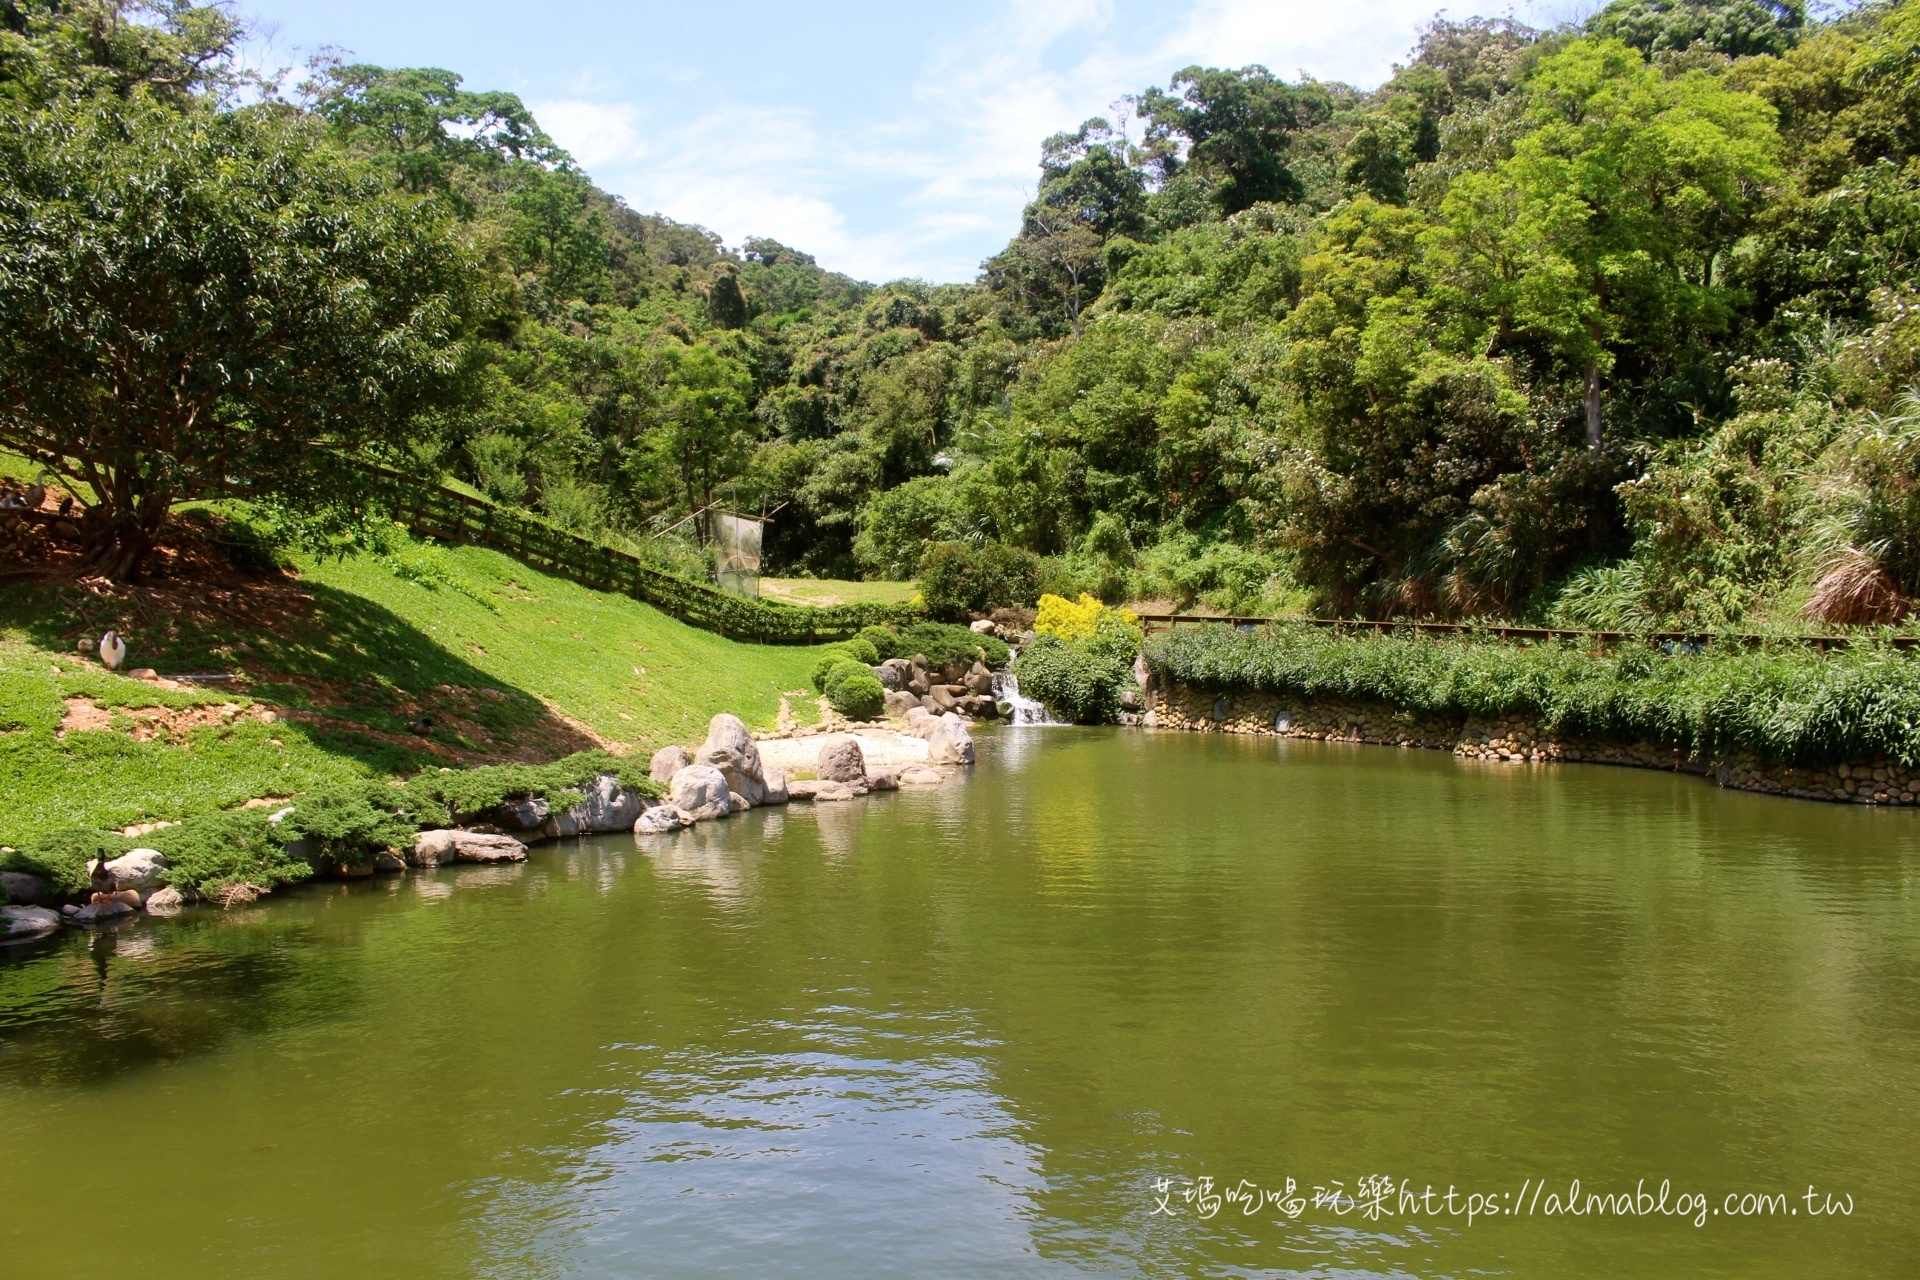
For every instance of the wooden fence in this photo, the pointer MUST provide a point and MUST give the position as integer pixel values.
(452, 516)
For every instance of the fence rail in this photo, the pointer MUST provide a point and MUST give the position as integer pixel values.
(452, 516)
(1153, 622)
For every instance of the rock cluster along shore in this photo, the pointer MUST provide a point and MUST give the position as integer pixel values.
(1509, 739)
(724, 775)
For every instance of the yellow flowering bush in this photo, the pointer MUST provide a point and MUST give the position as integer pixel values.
(1076, 620)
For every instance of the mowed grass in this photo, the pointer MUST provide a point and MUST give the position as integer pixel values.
(510, 663)
(822, 592)
(632, 673)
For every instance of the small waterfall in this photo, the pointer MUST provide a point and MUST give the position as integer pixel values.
(1006, 688)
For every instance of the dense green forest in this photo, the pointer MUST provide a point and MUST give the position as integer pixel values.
(1610, 326)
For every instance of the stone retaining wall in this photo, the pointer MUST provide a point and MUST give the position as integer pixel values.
(1510, 739)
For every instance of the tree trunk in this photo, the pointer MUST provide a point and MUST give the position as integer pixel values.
(1593, 404)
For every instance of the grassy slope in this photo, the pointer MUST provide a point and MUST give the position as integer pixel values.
(383, 637)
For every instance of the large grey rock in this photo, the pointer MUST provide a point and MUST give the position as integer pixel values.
(21, 923)
(439, 848)
(900, 703)
(882, 780)
(661, 819)
(166, 902)
(983, 627)
(894, 673)
(730, 749)
(950, 743)
(979, 679)
(701, 790)
(604, 806)
(529, 813)
(920, 775)
(840, 760)
(1142, 673)
(920, 722)
(776, 787)
(138, 869)
(22, 889)
(100, 912)
(943, 696)
(921, 679)
(668, 761)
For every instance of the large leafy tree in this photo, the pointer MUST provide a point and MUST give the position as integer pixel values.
(1603, 235)
(197, 302)
(1241, 127)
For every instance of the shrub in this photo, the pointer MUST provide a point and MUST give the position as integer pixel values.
(855, 692)
(1080, 678)
(1787, 703)
(215, 850)
(1076, 620)
(942, 642)
(349, 823)
(885, 642)
(958, 580)
(61, 858)
(861, 649)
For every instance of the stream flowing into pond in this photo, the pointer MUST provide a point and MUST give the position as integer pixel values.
(1090, 1011)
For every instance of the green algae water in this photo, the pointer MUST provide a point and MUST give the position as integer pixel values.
(1118, 1004)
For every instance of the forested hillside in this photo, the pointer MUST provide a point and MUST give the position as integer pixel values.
(1611, 326)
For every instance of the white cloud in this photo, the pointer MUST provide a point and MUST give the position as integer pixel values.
(939, 185)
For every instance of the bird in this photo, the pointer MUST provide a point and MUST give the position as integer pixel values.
(423, 726)
(113, 650)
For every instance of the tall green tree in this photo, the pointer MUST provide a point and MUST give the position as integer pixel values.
(1241, 126)
(194, 301)
(1604, 232)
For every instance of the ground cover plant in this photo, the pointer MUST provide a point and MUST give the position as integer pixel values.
(1787, 703)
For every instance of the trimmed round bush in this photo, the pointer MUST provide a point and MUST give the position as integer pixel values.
(885, 642)
(855, 692)
(861, 649)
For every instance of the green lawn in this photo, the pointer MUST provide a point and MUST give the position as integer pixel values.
(821, 592)
(509, 663)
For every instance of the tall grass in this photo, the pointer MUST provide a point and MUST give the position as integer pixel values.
(1788, 704)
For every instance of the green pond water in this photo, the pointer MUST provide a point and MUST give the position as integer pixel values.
(1006, 1029)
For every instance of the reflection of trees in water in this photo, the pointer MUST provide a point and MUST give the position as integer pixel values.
(95, 1006)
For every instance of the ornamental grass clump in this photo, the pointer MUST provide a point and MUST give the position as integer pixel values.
(1786, 703)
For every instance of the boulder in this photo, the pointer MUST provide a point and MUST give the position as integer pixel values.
(661, 819)
(949, 743)
(920, 722)
(1130, 700)
(1142, 673)
(525, 814)
(900, 703)
(668, 761)
(983, 627)
(920, 775)
(385, 861)
(730, 749)
(955, 673)
(100, 912)
(977, 705)
(24, 923)
(22, 889)
(776, 787)
(138, 869)
(604, 806)
(894, 673)
(827, 791)
(702, 791)
(882, 780)
(737, 802)
(438, 848)
(979, 679)
(922, 677)
(166, 902)
(840, 760)
(943, 696)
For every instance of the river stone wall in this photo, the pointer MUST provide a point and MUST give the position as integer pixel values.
(1510, 739)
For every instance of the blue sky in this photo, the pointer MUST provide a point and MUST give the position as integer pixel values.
(888, 140)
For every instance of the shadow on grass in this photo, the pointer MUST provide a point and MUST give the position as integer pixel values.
(357, 672)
